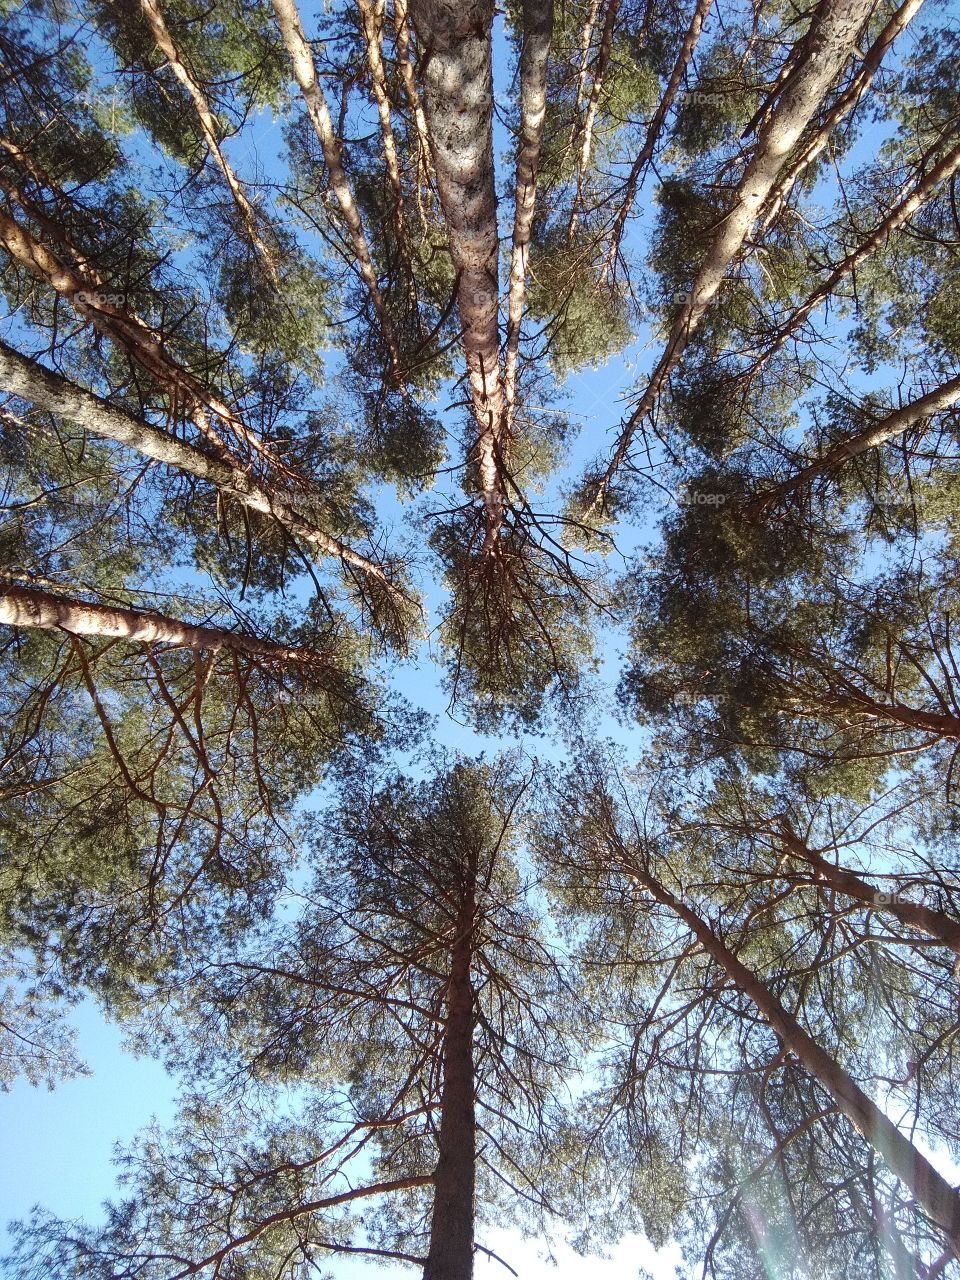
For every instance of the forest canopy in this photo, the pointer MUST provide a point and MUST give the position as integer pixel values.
(479, 539)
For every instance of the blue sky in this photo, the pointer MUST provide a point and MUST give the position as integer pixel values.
(55, 1148)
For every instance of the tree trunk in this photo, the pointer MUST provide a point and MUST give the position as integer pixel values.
(25, 607)
(454, 38)
(827, 48)
(208, 127)
(450, 1256)
(593, 104)
(26, 378)
(930, 1189)
(653, 132)
(878, 433)
(537, 33)
(83, 289)
(305, 73)
(842, 107)
(935, 924)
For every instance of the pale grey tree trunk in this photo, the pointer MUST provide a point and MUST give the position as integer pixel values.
(534, 58)
(26, 607)
(829, 43)
(872, 437)
(26, 378)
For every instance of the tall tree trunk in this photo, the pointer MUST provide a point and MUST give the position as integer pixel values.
(450, 1256)
(31, 381)
(208, 127)
(930, 1189)
(25, 607)
(401, 27)
(593, 103)
(935, 924)
(456, 67)
(826, 50)
(371, 17)
(305, 74)
(842, 107)
(537, 33)
(878, 433)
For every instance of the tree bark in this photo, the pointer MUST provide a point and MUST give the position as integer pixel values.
(827, 49)
(842, 107)
(208, 127)
(305, 74)
(25, 607)
(450, 1256)
(454, 38)
(401, 27)
(371, 17)
(593, 103)
(83, 289)
(537, 34)
(26, 378)
(929, 1188)
(878, 433)
(935, 924)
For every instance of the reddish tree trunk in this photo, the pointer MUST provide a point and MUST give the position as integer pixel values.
(451, 1230)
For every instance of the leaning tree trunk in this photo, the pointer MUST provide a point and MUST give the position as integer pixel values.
(934, 924)
(26, 607)
(82, 288)
(940, 175)
(827, 49)
(450, 1256)
(456, 67)
(41, 386)
(208, 127)
(846, 103)
(887, 428)
(929, 1188)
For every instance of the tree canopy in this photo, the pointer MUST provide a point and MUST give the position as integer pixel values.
(303, 489)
